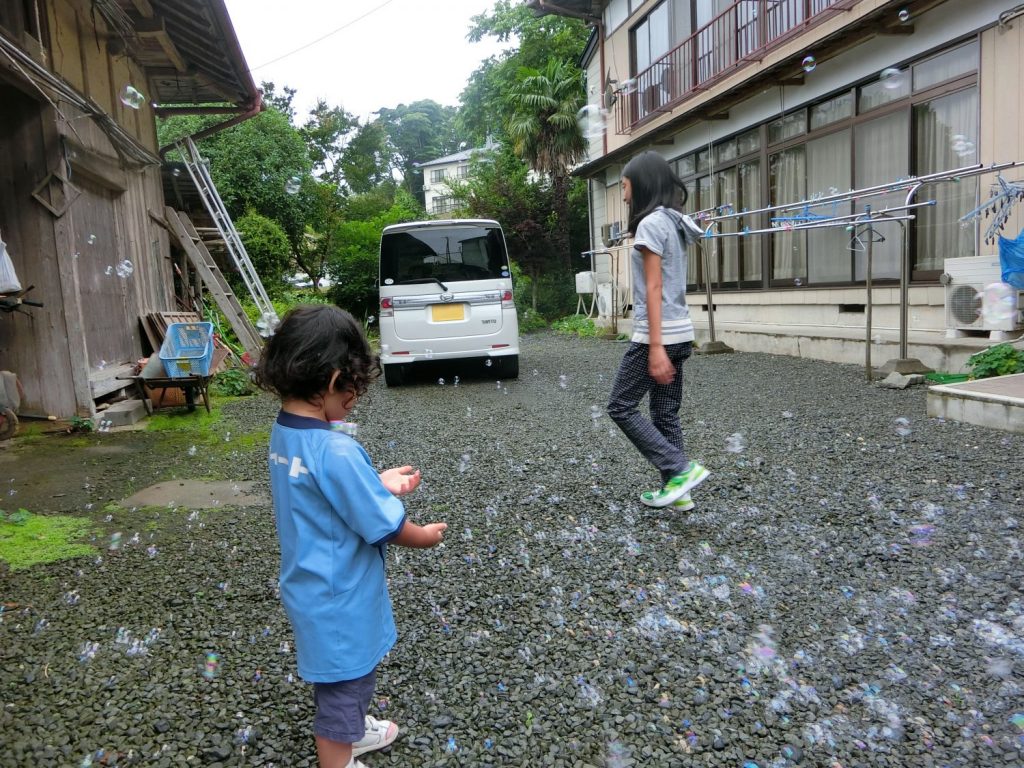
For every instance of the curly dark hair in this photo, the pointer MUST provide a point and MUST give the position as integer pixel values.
(311, 343)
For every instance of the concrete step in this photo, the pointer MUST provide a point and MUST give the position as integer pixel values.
(997, 403)
(123, 413)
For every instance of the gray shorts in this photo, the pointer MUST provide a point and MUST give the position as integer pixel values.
(341, 708)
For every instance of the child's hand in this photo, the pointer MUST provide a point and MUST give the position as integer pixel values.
(400, 480)
(434, 533)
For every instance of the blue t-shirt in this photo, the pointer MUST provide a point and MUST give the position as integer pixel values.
(334, 518)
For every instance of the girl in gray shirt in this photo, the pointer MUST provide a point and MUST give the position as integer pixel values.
(662, 331)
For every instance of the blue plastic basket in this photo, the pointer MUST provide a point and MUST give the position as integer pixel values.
(187, 349)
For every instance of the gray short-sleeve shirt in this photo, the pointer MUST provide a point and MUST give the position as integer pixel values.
(659, 233)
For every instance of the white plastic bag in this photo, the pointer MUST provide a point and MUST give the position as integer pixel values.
(9, 282)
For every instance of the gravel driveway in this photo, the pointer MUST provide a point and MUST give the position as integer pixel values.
(846, 593)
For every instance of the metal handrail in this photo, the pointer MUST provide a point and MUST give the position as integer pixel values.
(742, 33)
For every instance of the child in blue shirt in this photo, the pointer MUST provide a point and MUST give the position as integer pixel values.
(335, 515)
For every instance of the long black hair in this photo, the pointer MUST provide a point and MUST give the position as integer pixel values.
(653, 183)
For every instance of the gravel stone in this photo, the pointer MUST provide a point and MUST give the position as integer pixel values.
(846, 592)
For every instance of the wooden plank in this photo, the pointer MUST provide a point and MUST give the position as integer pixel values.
(215, 282)
(255, 339)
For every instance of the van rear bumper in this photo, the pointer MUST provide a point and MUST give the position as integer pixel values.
(439, 353)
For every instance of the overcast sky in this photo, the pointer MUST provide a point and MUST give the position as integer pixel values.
(385, 52)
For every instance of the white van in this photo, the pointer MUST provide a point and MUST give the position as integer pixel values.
(446, 294)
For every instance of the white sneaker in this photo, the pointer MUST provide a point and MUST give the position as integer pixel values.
(379, 734)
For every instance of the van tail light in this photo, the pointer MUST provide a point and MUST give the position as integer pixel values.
(386, 308)
(506, 299)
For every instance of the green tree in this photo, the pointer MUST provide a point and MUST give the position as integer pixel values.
(544, 132)
(419, 132)
(353, 266)
(366, 161)
(268, 249)
(253, 165)
(534, 40)
(326, 133)
(281, 101)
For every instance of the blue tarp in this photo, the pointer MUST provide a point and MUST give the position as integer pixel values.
(1011, 259)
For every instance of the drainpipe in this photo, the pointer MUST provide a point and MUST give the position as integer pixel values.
(257, 107)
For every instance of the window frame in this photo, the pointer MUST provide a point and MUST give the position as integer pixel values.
(689, 161)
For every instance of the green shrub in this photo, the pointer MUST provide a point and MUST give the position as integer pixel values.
(530, 321)
(1000, 360)
(233, 382)
(556, 294)
(268, 248)
(576, 325)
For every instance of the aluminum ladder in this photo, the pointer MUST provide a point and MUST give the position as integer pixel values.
(200, 173)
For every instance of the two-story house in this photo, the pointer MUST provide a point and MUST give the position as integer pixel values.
(437, 195)
(758, 103)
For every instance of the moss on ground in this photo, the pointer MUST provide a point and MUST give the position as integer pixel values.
(36, 539)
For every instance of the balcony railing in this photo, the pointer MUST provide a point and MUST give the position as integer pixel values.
(742, 33)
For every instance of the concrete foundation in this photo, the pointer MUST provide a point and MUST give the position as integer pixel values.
(997, 403)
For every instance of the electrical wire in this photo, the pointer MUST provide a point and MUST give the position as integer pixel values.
(311, 43)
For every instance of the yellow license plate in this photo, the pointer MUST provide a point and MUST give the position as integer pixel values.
(444, 313)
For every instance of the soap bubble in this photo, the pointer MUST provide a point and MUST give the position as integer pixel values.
(903, 15)
(798, 282)
(891, 78)
(293, 185)
(592, 120)
(440, 382)
(125, 269)
(210, 666)
(809, 63)
(488, 363)
(109, 270)
(735, 443)
(176, 172)
(961, 145)
(902, 426)
(131, 97)
(91, 239)
(998, 303)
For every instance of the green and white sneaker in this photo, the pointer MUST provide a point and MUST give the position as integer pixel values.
(683, 504)
(676, 488)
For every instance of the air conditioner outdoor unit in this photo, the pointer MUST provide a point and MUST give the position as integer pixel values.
(965, 279)
(611, 234)
(586, 282)
(604, 300)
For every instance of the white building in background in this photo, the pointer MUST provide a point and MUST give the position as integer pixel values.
(437, 194)
(762, 102)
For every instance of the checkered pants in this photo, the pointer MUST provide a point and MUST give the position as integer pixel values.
(659, 439)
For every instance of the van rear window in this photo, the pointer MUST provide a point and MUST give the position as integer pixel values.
(442, 253)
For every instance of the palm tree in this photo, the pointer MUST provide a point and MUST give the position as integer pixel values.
(545, 133)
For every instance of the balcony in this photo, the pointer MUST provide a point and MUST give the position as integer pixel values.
(741, 34)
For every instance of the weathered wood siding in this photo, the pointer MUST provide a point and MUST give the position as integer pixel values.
(34, 345)
(68, 353)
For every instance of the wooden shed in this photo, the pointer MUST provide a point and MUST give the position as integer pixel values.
(81, 194)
